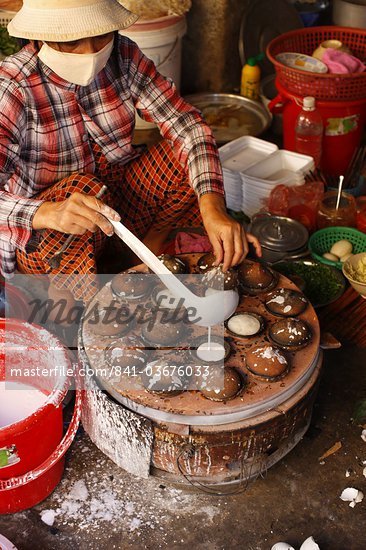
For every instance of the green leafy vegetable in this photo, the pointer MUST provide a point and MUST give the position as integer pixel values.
(322, 283)
(8, 44)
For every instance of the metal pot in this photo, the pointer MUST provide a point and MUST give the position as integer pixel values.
(280, 237)
(231, 116)
(349, 14)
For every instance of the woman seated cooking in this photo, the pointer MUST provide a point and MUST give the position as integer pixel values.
(67, 112)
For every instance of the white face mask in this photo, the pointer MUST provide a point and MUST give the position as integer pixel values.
(77, 68)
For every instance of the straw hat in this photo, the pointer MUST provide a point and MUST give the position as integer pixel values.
(66, 20)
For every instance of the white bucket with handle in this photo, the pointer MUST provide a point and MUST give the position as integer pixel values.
(161, 41)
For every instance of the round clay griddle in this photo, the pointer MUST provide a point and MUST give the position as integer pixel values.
(190, 407)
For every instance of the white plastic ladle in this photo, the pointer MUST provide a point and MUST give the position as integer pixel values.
(210, 310)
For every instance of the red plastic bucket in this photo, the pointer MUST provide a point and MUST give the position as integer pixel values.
(344, 123)
(13, 302)
(32, 448)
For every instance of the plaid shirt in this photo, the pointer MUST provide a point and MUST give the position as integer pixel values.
(47, 124)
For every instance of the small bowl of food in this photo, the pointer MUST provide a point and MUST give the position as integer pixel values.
(354, 269)
(302, 62)
(245, 325)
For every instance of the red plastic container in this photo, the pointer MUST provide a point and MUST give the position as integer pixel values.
(361, 218)
(344, 123)
(13, 302)
(32, 450)
(323, 86)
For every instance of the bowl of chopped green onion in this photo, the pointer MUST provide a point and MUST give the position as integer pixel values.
(322, 284)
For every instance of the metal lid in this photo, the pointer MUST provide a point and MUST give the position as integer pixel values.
(279, 233)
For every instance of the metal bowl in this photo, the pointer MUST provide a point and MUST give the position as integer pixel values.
(231, 116)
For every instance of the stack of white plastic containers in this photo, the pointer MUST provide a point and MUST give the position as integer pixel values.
(253, 167)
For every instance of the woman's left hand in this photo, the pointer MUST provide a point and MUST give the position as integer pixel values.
(228, 238)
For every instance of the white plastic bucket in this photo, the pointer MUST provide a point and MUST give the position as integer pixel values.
(161, 41)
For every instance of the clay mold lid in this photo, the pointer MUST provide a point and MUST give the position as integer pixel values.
(217, 279)
(112, 320)
(163, 298)
(245, 324)
(125, 352)
(267, 362)
(286, 302)
(255, 277)
(205, 262)
(131, 285)
(166, 329)
(222, 386)
(291, 334)
(174, 264)
(161, 378)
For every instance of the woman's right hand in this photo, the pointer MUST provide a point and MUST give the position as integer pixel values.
(76, 215)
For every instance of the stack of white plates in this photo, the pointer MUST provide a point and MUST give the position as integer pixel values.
(236, 157)
(281, 167)
(233, 189)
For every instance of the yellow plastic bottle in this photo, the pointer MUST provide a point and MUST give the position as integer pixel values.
(251, 78)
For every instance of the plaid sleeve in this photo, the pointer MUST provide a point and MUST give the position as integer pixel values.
(16, 215)
(16, 212)
(158, 101)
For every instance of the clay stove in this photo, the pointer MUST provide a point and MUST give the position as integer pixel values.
(189, 439)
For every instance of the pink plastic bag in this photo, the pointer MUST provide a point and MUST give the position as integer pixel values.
(278, 202)
(299, 203)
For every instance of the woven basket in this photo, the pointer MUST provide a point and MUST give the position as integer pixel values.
(336, 87)
(6, 17)
(322, 241)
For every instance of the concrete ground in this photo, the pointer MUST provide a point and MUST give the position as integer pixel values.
(98, 506)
